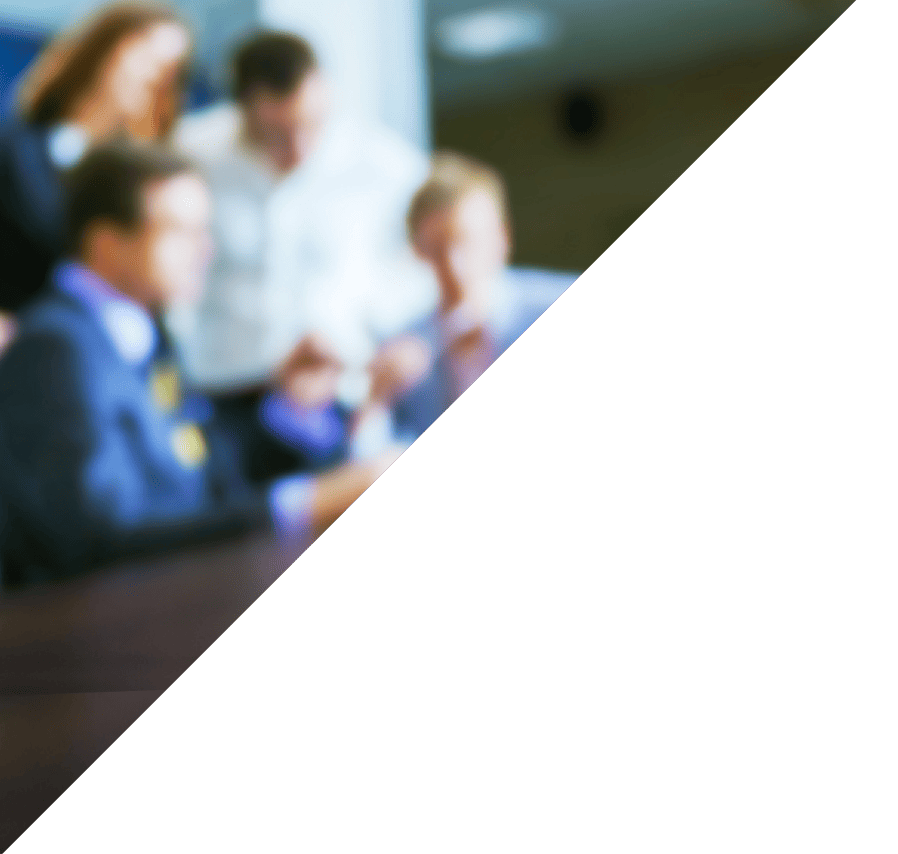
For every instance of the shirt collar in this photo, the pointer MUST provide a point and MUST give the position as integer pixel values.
(66, 145)
(128, 324)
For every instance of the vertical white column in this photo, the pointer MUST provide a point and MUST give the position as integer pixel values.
(405, 98)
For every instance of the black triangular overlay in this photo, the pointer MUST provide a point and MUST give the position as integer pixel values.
(438, 647)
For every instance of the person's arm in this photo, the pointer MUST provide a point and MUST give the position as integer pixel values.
(317, 434)
(301, 411)
(304, 506)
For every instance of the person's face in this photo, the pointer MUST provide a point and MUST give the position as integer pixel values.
(469, 245)
(141, 67)
(288, 127)
(166, 260)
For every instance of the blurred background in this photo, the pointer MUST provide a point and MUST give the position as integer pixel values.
(590, 108)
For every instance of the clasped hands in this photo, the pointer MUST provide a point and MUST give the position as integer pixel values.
(311, 373)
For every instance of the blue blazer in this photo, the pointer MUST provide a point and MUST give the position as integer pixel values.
(89, 465)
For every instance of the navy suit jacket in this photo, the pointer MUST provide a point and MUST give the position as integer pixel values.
(88, 467)
(31, 202)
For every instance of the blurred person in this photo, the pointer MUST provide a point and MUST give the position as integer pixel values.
(103, 452)
(310, 209)
(120, 74)
(298, 419)
(459, 224)
(7, 330)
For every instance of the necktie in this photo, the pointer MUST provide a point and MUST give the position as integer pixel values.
(188, 441)
(163, 376)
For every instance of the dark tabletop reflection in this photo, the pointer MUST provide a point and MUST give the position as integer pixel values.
(81, 660)
(136, 628)
(47, 741)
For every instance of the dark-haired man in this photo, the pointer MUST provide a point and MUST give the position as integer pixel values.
(102, 453)
(309, 219)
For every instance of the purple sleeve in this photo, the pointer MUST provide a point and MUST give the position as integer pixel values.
(290, 501)
(317, 433)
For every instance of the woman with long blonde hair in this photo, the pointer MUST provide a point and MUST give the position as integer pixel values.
(118, 75)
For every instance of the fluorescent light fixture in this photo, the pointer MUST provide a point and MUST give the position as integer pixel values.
(489, 33)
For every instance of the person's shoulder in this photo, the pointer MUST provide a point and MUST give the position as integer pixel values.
(209, 134)
(46, 347)
(54, 324)
(210, 120)
(52, 311)
(538, 280)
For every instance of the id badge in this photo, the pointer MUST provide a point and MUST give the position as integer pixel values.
(189, 445)
(166, 389)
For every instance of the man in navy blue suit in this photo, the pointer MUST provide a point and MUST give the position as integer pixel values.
(103, 454)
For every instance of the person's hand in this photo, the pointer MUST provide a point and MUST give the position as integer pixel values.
(386, 458)
(310, 374)
(472, 347)
(400, 365)
(7, 330)
(337, 489)
(468, 357)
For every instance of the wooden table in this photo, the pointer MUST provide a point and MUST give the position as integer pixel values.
(82, 660)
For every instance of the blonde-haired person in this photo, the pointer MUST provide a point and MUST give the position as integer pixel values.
(459, 223)
(119, 74)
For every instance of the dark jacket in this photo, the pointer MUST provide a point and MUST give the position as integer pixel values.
(31, 212)
(89, 464)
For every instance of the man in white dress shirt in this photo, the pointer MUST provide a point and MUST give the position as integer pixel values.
(310, 208)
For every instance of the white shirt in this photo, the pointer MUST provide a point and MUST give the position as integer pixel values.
(322, 249)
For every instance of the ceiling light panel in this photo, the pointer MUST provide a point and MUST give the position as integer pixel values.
(485, 34)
